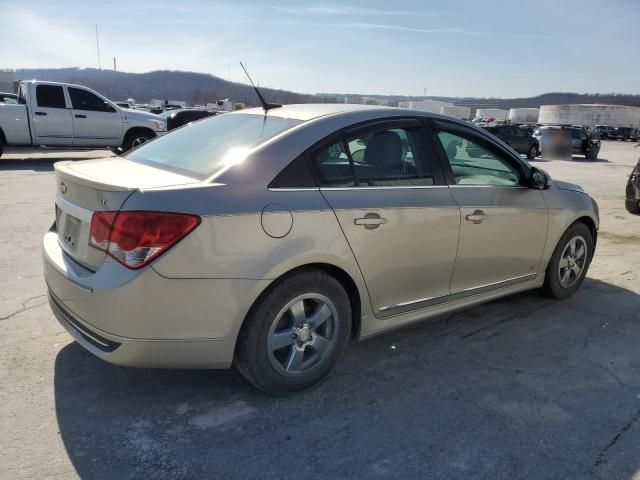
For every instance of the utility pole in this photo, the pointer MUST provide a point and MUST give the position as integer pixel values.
(98, 46)
(114, 65)
(425, 92)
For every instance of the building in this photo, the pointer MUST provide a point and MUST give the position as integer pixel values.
(496, 113)
(457, 111)
(7, 81)
(425, 105)
(359, 100)
(590, 115)
(524, 115)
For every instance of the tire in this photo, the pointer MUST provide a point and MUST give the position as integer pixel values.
(632, 206)
(554, 284)
(116, 151)
(135, 139)
(533, 152)
(268, 349)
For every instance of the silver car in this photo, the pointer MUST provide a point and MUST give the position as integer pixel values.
(268, 240)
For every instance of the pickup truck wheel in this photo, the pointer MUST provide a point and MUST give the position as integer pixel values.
(135, 139)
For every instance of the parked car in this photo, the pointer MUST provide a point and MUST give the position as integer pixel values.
(635, 135)
(178, 118)
(568, 140)
(621, 133)
(516, 137)
(10, 98)
(64, 115)
(632, 198)
(605, 131)
(267, 241)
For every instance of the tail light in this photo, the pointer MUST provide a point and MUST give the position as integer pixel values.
(136, 238)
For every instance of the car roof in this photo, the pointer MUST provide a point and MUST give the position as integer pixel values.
(309, 111)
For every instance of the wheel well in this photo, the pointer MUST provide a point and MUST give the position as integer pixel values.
(340, 275)
(134, 130)
(588, 221)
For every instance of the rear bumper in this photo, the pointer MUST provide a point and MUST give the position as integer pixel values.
(139, 318)
(196, 353)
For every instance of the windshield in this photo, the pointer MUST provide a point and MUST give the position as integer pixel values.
(205, 148)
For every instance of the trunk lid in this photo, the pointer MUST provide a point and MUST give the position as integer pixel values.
(99, 185)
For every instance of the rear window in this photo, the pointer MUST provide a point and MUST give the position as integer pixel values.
(205, 148)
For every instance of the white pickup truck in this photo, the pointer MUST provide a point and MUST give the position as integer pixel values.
(71, 116)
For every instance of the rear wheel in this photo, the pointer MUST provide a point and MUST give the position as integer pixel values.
(295, 333)
(135, 139)
(569, 263)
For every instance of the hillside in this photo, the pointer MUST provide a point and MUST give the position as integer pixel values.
(201, 88)
(194, 88)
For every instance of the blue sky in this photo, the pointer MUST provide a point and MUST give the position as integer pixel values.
(501, 48)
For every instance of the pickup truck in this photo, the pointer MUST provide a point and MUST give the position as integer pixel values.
(63, 115)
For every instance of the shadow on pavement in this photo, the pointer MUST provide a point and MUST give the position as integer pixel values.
(523, 387)
(43, 165)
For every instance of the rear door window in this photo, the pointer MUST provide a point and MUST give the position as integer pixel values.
(50, 96)
(376, 158)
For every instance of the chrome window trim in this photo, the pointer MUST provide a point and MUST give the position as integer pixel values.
(293, 189)
(385, 187)
(489, 186)
(381, 187)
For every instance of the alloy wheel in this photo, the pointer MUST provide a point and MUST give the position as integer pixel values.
(572, 261)
(138, 141)
(303, 333)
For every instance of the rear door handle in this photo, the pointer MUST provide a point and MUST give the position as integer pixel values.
(80, 116)
(370, 221)
(41, 113)
(477, 217)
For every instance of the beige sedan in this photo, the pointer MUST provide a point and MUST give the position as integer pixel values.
(268, 240)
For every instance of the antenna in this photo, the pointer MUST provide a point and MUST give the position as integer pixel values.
(266, 106)
(98, 45)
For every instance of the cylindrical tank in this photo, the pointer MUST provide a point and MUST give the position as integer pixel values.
(524, 115)
(496, 113)
(590, 115)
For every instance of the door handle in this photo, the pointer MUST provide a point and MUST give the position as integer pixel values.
(41, 113)
(80, 116)
(370, 221)
(477, 217)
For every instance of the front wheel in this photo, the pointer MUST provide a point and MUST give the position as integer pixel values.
(295, 333)
(533, 152)
(135, 139)
(569, 263)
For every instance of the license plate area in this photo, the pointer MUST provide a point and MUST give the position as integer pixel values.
(71, 231)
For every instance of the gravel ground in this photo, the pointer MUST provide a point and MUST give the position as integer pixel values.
(522, 387)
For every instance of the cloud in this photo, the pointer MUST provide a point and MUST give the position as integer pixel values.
(344, 10)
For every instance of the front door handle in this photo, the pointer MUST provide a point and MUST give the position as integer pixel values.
(477, 217)
(80, 116)
(41, 113)
(370, 221)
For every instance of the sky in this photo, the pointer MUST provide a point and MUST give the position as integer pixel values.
(485, 48)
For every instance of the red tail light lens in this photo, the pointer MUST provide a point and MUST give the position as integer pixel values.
(136, 238)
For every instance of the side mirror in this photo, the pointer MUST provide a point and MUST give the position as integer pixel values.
(539, 179)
